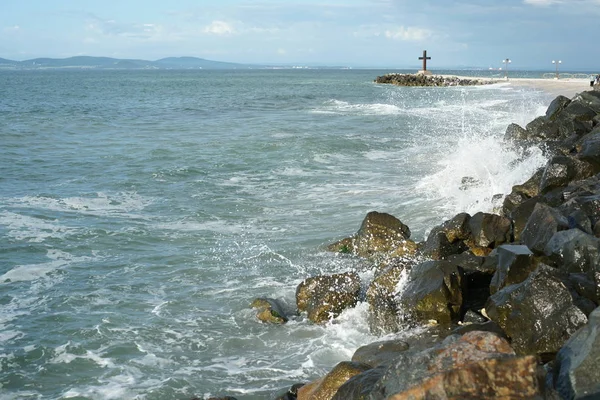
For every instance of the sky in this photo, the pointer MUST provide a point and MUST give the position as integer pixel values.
(353, 33)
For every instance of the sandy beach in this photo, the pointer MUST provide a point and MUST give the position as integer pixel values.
(566, 87)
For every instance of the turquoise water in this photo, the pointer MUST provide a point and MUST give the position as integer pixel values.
(142, 211)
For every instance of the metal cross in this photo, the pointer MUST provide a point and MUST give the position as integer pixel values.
(424, 58)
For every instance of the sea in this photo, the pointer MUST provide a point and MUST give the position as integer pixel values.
(142, 211)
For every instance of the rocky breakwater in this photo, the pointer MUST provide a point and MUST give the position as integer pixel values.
(506, 303)
(428, 80)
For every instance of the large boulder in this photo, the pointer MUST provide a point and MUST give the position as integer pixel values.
(324, 297)
(360, 386)
(503, 378)
(590, 148)
(538, 314)
(574, 251)
(515, 263)
(578, 362)
(380, 233)
(436, 372)
(326, 387)
(556, 106)
(543, 223)
(433, 292)
(561, 170)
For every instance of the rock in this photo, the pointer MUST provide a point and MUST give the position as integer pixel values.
(561, 170)
(382, 298)
(556, 106)
(413, 368)
(438, 247)
(433, 292)
(543, 223)
(574, 251)
(538, 314)
(514, 133)
(542, 129)
(590, 149)
(325, 297)
(379, 353)
(488, 326)
(428, 80)
(326, 387)
(489, 230)
(359, 386)
(269, 311)
(344, 246)
(504, 378)
(380, 232)
(515, 263)
(577, 110)
(578, 362)
(472, 317)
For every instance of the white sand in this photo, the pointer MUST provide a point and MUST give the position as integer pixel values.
(566, 87)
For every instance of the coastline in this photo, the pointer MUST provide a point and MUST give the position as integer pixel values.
(535, 232)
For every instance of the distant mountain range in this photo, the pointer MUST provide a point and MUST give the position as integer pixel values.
(88, 62)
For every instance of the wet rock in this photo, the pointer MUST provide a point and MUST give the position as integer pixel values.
(578, 362)
(574, 251)
(269, 310)
(577, 110)
(325, 297)
(506, 378)
(344, 246)
(382, 298)
(515, 263)
(561, 170)
(454, 353)
(428, 80)
(326, 387)
(380, 232)
(433, 292)
(488, 326)
(438, 247)
(590, 149)
(515, 133)
(489, 230)
(359, 386)
(556, 106)
(379, 353)
(541, 129)
(538, 314)
(543, 223)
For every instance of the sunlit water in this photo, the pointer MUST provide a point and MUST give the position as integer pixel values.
(142, 211)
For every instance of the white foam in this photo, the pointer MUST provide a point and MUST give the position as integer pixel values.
(33, 229)
(30, 272)
(344, 107)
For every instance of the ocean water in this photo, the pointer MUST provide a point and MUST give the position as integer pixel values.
(142, 211)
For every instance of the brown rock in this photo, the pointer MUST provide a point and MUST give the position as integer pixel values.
(326, 387)
(497, 378)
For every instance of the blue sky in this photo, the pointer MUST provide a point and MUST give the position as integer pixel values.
(377, 33)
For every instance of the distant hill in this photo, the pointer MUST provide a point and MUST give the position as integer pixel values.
(88, 62)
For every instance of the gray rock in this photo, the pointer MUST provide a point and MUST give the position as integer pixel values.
(515, 263)
(538, 314)
(579, 362)
(543, 223)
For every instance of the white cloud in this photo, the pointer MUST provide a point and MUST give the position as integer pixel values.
(219, 28)
(542, 2)
(408, 34)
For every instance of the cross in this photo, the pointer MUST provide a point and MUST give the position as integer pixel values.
(424, 58)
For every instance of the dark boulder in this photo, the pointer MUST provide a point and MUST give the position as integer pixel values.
(515, 133)
(291, 393)
(515, 263)
(488, 231)
(542, 129)
(574, 251)
(543, 223)
(325, 297)
(433, 292)
(561, 170)
(590, 149)
(538, 314)
(578, 362)
(556, 106)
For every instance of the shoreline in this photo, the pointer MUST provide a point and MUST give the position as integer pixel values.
(527, 250)
(568, 87)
